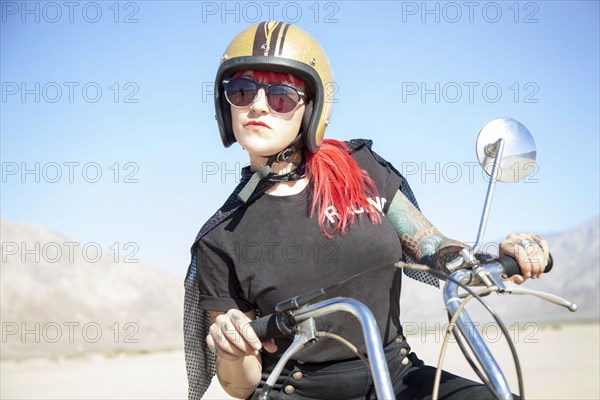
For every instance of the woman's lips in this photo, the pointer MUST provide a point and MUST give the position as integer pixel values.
(256, 124)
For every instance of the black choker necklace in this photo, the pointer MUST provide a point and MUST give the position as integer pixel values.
(266, 178)
(296, 174)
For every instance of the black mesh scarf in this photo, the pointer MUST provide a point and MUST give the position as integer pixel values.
(200, 361)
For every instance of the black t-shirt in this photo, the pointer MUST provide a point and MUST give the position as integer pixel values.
(272, 250)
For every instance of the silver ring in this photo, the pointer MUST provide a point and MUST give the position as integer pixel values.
(525, 243)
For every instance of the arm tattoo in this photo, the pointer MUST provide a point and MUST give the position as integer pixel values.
(245, 388)
(223, 382)
(420, 240)
(241, 391)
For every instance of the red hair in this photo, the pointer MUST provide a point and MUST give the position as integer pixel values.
(339, 186)
(337, 181)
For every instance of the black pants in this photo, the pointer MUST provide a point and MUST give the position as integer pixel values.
(348, 380)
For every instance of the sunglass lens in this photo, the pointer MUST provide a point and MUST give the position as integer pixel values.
(282, 98)
(241, 92)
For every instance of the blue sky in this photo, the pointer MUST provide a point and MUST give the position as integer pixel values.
(123, 89)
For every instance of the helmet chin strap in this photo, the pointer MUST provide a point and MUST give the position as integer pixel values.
(289, 154)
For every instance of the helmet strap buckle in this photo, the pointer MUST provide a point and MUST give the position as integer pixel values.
(285, 154)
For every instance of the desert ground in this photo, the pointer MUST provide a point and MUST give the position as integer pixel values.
(558, 361)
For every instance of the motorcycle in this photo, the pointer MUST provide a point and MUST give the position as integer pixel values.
(506, 151)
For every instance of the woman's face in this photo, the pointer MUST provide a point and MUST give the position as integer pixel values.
(261, 131)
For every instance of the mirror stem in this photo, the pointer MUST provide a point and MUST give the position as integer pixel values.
(490, 193)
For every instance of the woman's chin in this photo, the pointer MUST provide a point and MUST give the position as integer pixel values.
(264, 149)
(263, 152)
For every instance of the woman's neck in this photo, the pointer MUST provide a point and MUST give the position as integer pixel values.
(285, 188)
(278, 167)
(288, 188)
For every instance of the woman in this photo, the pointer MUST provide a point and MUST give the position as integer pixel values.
(307, 213)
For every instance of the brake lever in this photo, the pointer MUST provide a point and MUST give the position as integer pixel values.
(549, 297)
(481, 273)
(492, 275)
(464, 259)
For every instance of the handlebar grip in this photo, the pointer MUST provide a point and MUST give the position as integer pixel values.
(272, 326)
(550, 263)
(512, 268)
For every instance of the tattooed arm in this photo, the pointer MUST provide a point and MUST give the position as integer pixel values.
(420, 240)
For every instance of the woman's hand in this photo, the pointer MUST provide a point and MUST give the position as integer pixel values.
(531, 253)
(232, 338)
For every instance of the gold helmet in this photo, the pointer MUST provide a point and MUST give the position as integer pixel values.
(280, 47)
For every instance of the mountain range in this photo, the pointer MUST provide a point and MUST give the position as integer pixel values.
(575, 276)
(61, 298)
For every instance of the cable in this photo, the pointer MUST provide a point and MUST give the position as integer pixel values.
(442, 355)
(464, 350)
(344, 342)
(451, 328)
(444, 276)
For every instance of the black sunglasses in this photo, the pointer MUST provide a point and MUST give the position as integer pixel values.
(281, 98)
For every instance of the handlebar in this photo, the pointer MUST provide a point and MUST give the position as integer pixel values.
(511, 267)
(294, 318)
(274, 326)
(281, 323)
(301, 324)
(490, 274)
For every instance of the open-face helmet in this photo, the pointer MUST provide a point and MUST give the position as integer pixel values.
(280, 47)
